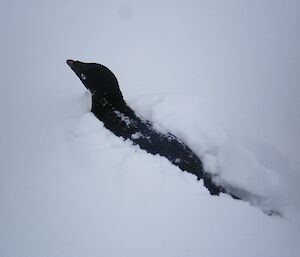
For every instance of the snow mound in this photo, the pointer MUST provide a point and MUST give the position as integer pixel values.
(243, 163)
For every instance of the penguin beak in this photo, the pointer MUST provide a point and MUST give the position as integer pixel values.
(70, 63)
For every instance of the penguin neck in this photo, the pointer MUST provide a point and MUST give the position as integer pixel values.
(102, 106)
(112, 114)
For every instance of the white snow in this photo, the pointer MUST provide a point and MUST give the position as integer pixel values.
(123, 118)
(222, 76)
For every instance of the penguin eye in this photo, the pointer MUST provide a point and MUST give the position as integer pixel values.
(83, 76)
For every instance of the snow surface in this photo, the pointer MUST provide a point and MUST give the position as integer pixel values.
(223, 76)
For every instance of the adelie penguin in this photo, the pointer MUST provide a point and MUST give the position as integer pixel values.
(108, 105)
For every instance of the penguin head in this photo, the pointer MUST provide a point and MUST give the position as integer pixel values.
(99, 80)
